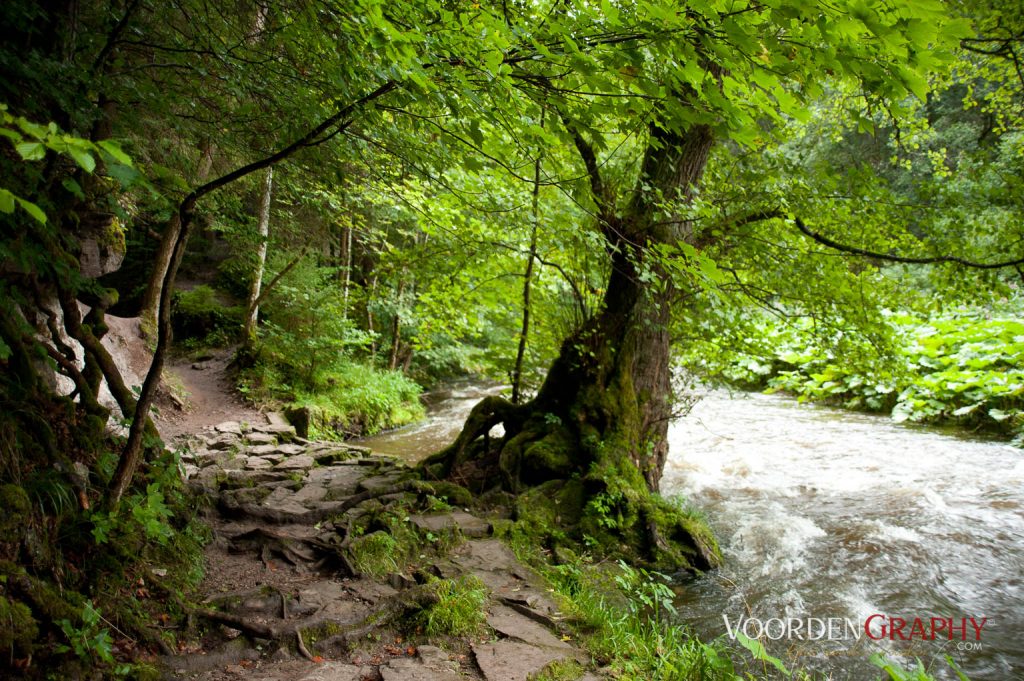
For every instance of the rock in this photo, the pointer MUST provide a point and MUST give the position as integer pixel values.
(208, 458)
(188, 470)
(379, 483)
(310, 494)
(256, 463)
(469, 525)
(273, 458)
(300, 418)
(276, 419)
(334, 671)
(229, 427)
(516, 625)
(221, 443)
(296, 463)
(512, 660)
(326, 457)
(257, 438)
(279, 450)
(404, 669)
(271, 429)
(291, 450)
(240, 478)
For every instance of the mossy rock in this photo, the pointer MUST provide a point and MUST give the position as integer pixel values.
(549, 457)
(456, 495)
(19, 629)
(15, 508)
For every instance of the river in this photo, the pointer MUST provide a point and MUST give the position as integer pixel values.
(833, 515)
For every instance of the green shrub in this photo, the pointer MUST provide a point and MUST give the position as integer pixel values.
(965, 368)
(198, 316)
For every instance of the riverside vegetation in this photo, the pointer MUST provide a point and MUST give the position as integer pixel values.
(359, 199)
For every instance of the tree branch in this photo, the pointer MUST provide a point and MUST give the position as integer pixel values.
(853, 250)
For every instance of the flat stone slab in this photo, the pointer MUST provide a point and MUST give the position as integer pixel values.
(469, 525)
(334, 671)
(512, 660)
(229, 427)
(516, 625)
(296, 463)
(406, 669)
(277, 419)
(275, 429)
(260, 438)
(256, 463)
(310, 494)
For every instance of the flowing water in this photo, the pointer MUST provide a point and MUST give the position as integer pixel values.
(826, 514)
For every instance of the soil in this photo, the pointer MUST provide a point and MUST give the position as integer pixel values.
(196, 394)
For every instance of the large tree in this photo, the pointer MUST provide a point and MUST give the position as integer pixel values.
(643, 95)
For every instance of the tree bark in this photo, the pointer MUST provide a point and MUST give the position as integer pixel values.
(594, 439)
(524, 332)
(151, 296)
(253, 308)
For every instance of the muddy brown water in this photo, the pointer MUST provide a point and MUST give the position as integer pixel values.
(833, 517)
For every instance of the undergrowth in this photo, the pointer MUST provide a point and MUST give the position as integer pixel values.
(964, 368)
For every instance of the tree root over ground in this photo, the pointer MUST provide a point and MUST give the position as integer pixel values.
(390, 610)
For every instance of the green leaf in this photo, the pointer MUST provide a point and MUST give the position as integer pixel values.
(6, 201)
(115, 152)
(83, 158)
(757, 650)
(32, 209)
(31, 151)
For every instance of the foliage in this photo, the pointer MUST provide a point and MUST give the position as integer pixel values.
(91, 642)
(635, 640)
(200, 319)
(459, 610)
(374, 554)
(964, 367)
(917, 673)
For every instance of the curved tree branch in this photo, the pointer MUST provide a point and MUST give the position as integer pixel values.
(853, 250)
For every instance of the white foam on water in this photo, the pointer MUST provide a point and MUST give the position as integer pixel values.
(886, 532)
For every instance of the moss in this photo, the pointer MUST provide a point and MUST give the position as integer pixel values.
(457, 495)
(549, 457)
(560, 670)
(15, 508)
(19, 629)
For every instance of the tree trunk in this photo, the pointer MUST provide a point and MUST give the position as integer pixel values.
(524, 332)
(151, 296)
(346, 264)
(253, 308)
(592, 445)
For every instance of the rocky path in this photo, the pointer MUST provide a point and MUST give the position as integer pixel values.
(296, 589)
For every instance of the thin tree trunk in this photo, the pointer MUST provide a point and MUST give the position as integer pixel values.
(346, 260)
(517, 370)
(253, 310)
(369, 317)
(396, 328)
(151, 297)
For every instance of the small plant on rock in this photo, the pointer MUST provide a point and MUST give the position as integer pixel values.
(459, 610)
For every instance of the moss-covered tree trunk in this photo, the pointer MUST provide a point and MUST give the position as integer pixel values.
(586, 455)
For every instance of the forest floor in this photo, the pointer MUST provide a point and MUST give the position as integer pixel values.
(295, 590)
(203, 395)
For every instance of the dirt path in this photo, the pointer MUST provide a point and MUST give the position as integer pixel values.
(209, 399)
(296, 591)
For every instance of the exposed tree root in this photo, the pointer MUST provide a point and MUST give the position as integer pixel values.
(388, 611)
